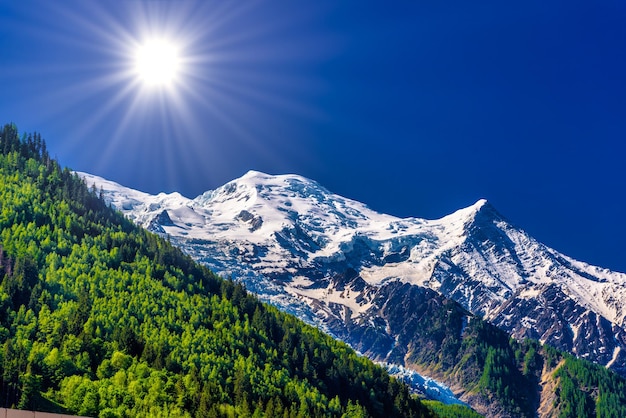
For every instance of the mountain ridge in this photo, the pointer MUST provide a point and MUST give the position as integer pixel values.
(295, 235)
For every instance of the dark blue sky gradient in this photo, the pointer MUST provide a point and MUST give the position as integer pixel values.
(416, 109)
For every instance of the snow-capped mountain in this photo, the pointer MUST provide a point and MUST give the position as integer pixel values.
(355, 272)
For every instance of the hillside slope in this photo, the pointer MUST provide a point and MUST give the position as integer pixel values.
(99, 317)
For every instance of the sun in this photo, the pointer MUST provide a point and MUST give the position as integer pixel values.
(157, 62)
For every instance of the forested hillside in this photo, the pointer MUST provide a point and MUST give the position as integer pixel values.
(496, 374)
(101, 318)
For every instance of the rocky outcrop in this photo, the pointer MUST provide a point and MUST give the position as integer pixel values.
(158, 222)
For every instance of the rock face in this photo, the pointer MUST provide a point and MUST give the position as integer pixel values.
(158, 222)
(553, 316)
(365, 277)
(255, 222)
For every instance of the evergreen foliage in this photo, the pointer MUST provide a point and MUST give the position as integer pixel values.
(588, 389)
(101, 318)
(452, 411)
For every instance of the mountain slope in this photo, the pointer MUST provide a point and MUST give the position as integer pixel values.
(99, 317)
(328, 259)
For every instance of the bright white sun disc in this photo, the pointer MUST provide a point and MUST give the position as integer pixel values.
(157, 62)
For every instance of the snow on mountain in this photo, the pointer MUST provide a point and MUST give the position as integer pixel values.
(330, 260)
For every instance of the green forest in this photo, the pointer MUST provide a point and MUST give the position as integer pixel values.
(99, 317)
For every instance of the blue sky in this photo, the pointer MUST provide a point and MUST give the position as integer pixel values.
(416, 109)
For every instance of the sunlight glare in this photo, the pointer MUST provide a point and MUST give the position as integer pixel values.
(157, 62)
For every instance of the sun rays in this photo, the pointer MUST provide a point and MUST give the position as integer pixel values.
(151, 84)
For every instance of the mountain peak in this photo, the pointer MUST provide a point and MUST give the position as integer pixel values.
(480, 203)
(482, 217)
(470, 213)
(256, 174)
(482, 210)
(285, 180)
